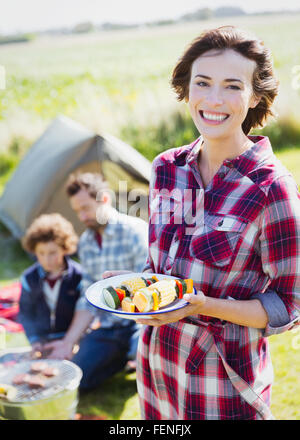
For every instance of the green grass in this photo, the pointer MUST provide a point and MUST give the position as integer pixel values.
(112, 80)
(285, 353)
(117, 398)
(118, 82)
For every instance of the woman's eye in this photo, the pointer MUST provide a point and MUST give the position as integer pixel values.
(201, 83)
(233, 87)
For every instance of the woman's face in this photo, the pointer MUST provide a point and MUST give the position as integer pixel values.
(220, 93)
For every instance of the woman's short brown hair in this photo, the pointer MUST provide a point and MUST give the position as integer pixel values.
(51, 227)
(264, 83)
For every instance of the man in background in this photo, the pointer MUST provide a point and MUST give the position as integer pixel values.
(112, 241)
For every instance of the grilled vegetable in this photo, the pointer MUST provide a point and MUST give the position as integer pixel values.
(128, 305)
(132, 285)
(179, 289)
(167, 291)
(143, 295)
(189, 286)
(143, 300)
(153, 297)
(111, 297)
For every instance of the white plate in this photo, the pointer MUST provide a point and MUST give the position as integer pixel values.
(94, 295)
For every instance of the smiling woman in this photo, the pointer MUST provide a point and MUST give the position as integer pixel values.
(210, 360)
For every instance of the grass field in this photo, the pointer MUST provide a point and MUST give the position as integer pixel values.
(112, 80)
(118, 82)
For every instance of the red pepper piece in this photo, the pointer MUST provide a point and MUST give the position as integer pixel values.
(178, 283)
(121, 294)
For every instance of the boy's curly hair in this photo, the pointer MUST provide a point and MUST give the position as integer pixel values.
(51, 227)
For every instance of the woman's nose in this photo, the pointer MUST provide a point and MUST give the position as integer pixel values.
(214, 96)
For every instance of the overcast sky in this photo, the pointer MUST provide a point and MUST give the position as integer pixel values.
(33, 15)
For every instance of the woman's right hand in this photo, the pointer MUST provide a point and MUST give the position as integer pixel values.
(114, 273)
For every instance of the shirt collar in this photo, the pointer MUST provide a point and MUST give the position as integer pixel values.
(260, 152)
(192, 156)
(109, 230)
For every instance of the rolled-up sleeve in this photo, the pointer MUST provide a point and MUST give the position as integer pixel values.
(280, 252)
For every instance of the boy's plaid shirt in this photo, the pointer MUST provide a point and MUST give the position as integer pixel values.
(237, 239)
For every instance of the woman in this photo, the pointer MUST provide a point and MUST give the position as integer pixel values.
(224, 212)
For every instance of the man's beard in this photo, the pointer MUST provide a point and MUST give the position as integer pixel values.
(93, 224)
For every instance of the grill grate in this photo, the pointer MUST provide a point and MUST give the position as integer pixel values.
(68, 378)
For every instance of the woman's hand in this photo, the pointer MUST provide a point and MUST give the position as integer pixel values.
(196, 303)
(114, 273)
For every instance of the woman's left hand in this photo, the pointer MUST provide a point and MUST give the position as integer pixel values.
(196, 303)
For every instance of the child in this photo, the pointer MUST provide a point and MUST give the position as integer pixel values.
(50, 287)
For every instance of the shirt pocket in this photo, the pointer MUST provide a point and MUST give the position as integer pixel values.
(217, 242)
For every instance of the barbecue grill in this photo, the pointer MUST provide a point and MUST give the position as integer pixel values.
(56, 401)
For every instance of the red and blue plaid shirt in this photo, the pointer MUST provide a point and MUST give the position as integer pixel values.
(239, 238)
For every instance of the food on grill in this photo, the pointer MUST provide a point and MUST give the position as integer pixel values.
(37, 367)
(36, 381)
(50, 371)
(20, 379)
(144, 295)
(7, 392)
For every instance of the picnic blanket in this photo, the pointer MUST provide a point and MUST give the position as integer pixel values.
(9, 307)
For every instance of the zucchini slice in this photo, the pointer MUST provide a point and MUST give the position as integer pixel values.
(111, 297)
(127, 293)
(184, 286)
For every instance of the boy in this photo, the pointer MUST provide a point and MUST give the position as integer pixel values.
(50, 287)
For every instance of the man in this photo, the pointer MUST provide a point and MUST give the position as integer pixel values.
(112, 241)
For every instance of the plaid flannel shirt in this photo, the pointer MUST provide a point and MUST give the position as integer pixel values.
(239, 238)
(124, 247)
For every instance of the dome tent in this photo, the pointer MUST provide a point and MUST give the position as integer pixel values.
(38, 184)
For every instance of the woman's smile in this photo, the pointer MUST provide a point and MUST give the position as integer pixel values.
(213, 118)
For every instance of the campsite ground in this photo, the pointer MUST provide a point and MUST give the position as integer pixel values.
(132, 98)
(117, 399)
